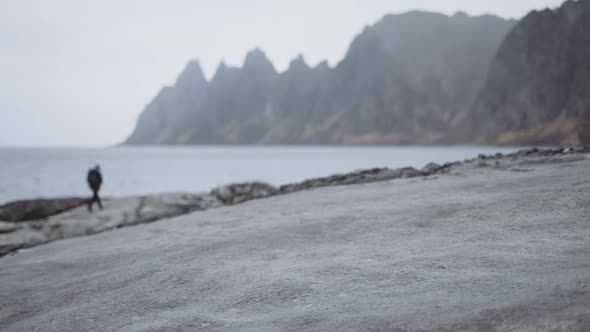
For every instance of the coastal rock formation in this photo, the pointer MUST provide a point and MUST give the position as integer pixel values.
(117, 213)
(38, 208)
(403, 80)
(537, 87)
(358, 177)
(239, 193)
(129, 211)
(431, 168)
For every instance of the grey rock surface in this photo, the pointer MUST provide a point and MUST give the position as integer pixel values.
(497, 248)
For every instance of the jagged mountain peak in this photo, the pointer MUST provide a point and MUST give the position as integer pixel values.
(257, 59)
(461, 14)
(192, 74)
(324, 65)
(222, 66)
(224, 71)
(298, 63)
(256, 54)
(194, 65)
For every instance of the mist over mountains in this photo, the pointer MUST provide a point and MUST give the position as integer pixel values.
(413, 78)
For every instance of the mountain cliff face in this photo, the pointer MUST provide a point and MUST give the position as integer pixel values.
(166, 116)
(537, 91)
(406, 79)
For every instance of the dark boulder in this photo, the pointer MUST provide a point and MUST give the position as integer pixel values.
(405, 79)
(238, 193)
(41, 208)
(431, 168)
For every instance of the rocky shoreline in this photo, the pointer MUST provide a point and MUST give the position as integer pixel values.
(495, 243)
(25, 224)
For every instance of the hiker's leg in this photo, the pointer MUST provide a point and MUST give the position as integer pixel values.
(98, 199)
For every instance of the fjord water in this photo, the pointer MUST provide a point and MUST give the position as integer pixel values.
(48, 172)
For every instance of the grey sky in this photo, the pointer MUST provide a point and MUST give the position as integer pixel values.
(79, 72)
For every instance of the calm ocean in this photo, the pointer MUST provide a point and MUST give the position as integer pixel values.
(48, 172)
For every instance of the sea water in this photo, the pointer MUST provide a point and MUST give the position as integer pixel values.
(49, 172)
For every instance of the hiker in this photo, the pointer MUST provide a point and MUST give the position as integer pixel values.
(94, 181)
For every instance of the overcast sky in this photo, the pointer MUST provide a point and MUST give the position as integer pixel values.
(79, 72)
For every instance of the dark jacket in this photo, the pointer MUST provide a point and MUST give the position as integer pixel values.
(94, 179)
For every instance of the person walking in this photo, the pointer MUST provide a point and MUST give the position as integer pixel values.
(94, 179)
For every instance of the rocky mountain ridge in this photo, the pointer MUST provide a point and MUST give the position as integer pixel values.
(413, 78)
